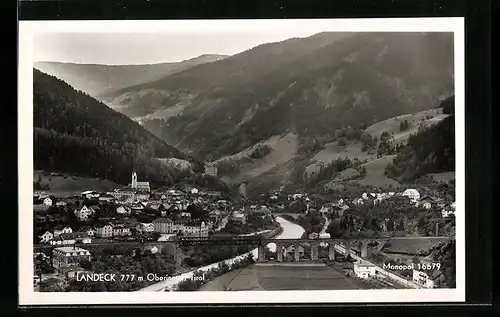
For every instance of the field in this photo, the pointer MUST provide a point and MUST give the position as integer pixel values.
(332, 152)
(293, 277)
(283, 149)
(412, 246)
(66, 185)
(375, 173)
(392, 125)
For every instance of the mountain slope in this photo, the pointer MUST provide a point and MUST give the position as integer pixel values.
(430, 150)
(99, 80)
(308, 87)
(77, 134)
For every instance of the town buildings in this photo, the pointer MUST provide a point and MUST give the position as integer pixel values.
(139, 185)
(364, 270)
(429, 279)
(69, 256)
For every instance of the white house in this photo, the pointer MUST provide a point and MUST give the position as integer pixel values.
(426, 205)
(364, 270)
(63, 239)
(123, 210)
(58, 232)
(104, 231)
(145, 227)
(412, 194)
(47, 201)
(365, 196)
(46, 237)
(89, 194)
(427, 279)
(61, 203)
(446, 213)
(84, 213)
(194, 191)
(88, 231)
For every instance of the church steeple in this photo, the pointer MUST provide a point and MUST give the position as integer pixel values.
(133, 184)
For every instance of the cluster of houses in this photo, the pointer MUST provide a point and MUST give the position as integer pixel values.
(408, 196)
(170, 205)
(426, 279)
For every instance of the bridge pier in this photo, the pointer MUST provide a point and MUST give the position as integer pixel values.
(279, 252)
(261, 257)
(296, 254)
(364, 249)
(347, 248)
(314, 252)
(331, 251)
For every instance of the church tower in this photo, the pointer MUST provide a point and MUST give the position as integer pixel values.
(134, 180)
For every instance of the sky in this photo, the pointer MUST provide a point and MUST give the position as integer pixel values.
(149, 48)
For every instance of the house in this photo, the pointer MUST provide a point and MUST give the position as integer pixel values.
(84, 213)
(61, 203)
(71, 272)
(69, 256)
(48, 201)
(166, 237)
(428, 279)
(88, 231)
(46, 237)
(185, 214)
(123, 210)
(104, 230)
(145, 227)
(137, 207)
(78, 237)
(163, 225)
(142, 196)
(106, 198)
(90, 194)
(194, 191)
(364, 270)
(63, 239)
(412, 194)
(121, 229)
(59, 231)
(215, 215)
(195, 230)
(447, 213)
(239, 217)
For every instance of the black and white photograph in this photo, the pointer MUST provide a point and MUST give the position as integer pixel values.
(196, 160)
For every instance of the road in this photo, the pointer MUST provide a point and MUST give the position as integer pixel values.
(290, 231)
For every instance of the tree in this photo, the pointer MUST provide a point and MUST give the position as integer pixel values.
(401, 225)
(390, 225)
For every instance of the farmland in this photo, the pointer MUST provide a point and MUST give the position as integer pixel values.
(413, 246)
(293, 277)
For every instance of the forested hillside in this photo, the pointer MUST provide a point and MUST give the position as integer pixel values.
(77, 134)
(97, 80)
(430, 150)
(310, 86)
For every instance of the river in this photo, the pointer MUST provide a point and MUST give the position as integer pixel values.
(290, 231)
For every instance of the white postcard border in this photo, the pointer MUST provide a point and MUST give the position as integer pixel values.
(27, 295)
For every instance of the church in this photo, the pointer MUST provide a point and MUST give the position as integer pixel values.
(144, 186)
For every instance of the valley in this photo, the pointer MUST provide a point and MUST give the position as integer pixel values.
(348, 138)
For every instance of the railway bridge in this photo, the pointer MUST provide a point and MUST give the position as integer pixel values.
(343, 245)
